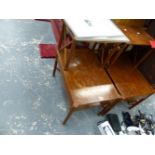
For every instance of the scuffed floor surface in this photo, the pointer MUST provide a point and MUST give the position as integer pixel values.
(31, 100)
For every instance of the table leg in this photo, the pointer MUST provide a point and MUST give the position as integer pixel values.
(70, 54)
(102, 55)
(62, 36)
(113, 51)
(55, 66)
(107, 107)
(138, 102)
(68, 115)
(118, 55)
(143, 58)
(94, 46)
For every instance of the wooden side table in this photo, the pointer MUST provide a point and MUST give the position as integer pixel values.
(138, 36)
(130, 82)
(112, 34)
(87, 83)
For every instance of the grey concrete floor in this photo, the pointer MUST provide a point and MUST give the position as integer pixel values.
(31, 100)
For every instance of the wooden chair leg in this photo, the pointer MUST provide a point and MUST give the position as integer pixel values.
(68, 116)
(55, 67)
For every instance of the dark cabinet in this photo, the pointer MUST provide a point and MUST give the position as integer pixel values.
(148, 66)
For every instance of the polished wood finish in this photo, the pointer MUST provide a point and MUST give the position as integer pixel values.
(137, 35)
(130, 82)
(130, 22)
(86, 81)
(88, 84)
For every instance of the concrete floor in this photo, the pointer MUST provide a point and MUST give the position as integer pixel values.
(31, 100)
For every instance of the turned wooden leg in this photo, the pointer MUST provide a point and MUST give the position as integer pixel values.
(68, 116)
(55, 67)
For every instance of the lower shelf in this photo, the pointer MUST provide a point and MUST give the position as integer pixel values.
(130, 82)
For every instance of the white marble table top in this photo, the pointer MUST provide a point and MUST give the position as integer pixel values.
(100, 30)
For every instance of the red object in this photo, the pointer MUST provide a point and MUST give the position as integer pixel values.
(48, 50)
(152, 42)
(57, 25)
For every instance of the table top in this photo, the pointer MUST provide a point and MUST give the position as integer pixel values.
(100, 30)
(86, 81)
(137, 35)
